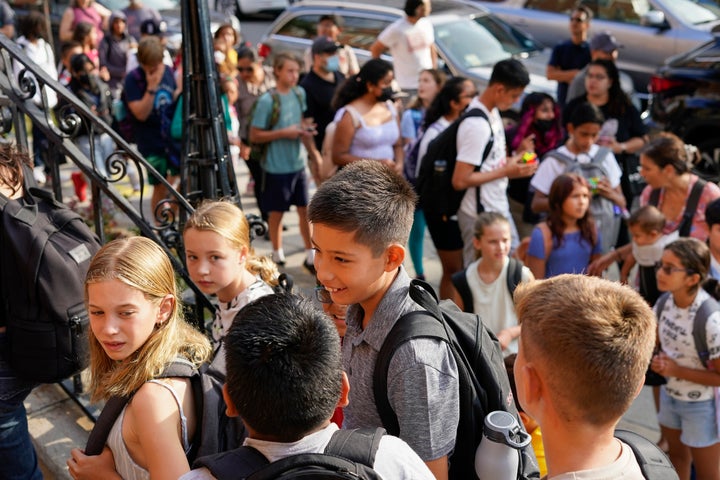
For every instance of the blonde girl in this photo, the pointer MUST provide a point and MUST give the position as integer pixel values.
(221, 261)
(688, 411)
(486, 278)
(136, 330)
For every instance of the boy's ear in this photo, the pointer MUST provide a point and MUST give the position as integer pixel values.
(394, 257)
(230, 409)
(344, 392)
(531, 387)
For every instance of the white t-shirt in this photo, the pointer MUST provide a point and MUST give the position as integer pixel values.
(675, 326)
(625, 467)
(493, 302)
(550, 168)
(473, 135)
(410, 48)
(394, 458)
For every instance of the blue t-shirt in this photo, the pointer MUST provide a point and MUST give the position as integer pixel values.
(283, 155)
(568, 56)
(573, 256)
(152, 135)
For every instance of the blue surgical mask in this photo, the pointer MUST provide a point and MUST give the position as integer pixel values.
(333, 64)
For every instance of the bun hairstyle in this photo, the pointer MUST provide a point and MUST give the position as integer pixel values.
(668, 149)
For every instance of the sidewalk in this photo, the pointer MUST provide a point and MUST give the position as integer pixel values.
(58, 424)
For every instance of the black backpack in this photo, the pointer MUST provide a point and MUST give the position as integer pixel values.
(484, 384)
(513, 279)
(215, 431)
(350, 455)
(45, 251)
(654, 463)
(434, 181)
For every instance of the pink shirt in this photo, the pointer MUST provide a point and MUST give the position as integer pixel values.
(699, 228)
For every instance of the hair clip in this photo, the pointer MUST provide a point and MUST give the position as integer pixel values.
(691, 152)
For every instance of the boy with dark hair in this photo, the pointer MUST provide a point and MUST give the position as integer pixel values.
(490, 175)
(284, 378)
(577, 390)
(361, 221)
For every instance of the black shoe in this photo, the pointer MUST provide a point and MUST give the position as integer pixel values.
(310, 267)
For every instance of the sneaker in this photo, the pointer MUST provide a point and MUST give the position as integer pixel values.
(310, 267)
(279, 261)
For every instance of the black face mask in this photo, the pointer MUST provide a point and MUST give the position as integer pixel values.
(84, 79)
(387, 94)
(543, 125)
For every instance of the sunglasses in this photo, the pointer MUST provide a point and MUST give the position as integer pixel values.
(322, 295)
(669, 269)
(245, 69)
(577, 19)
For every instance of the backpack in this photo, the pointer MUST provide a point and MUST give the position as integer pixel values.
(513, 279)
(602, 209)
(654, 463)
(434, 181)
(410, 165)
(215, 431)
(125, 125)
(45, 250)
(484, 384)
(350, 455)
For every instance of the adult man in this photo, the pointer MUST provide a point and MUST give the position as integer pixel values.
(320, 84)
(330, 26)
(411, 41)
(571, 55)
(603, 45)
(151, 92)
(575, 389)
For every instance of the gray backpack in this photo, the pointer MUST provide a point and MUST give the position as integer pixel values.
(602, 209)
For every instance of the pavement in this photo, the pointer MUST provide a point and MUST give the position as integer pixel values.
(57, 423)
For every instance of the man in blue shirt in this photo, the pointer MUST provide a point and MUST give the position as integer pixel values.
(570, 56)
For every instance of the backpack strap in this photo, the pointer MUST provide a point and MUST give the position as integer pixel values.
(100, 432)
(238, 463)
(699, 332)
(660, 303)
(459, 281)
(359, 445)
(653, 462)
(690, 208)
(514, 274)
(654, 199)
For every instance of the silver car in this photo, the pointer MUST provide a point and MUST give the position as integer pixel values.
(650, 30)
(470, 40)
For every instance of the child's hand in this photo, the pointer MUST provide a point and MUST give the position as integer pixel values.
(663, 365)
(515, 168)
(84, 467)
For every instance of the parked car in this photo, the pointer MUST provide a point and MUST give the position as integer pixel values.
(685, 100)
(650, 30)
(470, 40)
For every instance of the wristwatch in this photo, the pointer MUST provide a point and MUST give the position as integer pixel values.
(623, 148)
(151, 92)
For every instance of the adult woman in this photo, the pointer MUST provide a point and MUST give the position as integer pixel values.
(83, 11)
(665, 164)
(368, 126)
(624, 131)
(452, 99)
(253, 80)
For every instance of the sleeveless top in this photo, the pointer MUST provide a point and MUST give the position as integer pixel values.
(89, 15)
(378, 141)
(124, 464)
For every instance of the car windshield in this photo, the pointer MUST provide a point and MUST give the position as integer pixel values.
(512, 40)
(692, 12)
(459, 40)
(154, 4)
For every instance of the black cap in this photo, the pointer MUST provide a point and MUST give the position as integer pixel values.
(153, 27)
(325, 45)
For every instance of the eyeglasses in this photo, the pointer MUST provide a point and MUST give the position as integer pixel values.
(577, 19)
(322, 295)
(245, 69)
(669, 269)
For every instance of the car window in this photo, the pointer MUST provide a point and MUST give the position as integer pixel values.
(692, 13)
(361, 32)
(558, 6)
(512, 40)
(459, 40)
(706, 57)
(623, 11)
(303, 26)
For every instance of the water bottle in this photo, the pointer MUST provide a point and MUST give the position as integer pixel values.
(498, 455)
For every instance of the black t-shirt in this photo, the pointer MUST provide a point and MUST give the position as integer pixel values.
(569, 56)
(320, 93)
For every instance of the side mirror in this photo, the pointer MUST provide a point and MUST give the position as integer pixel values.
(654, 18)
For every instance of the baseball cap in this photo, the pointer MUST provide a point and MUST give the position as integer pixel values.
(118, 15)
(604, 41)
(325, 45)
(153, 27)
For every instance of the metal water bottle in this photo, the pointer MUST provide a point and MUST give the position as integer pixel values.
(498, 455)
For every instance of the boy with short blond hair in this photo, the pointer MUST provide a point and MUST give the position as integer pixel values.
(361, 221)
(584, 348)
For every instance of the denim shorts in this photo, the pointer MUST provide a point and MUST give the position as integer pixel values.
(696, 420)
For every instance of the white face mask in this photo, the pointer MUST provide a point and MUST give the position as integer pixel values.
(649, 255)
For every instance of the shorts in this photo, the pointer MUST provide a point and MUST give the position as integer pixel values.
(695, 420)
(163, 166)
(445, 233)
(283, 190)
